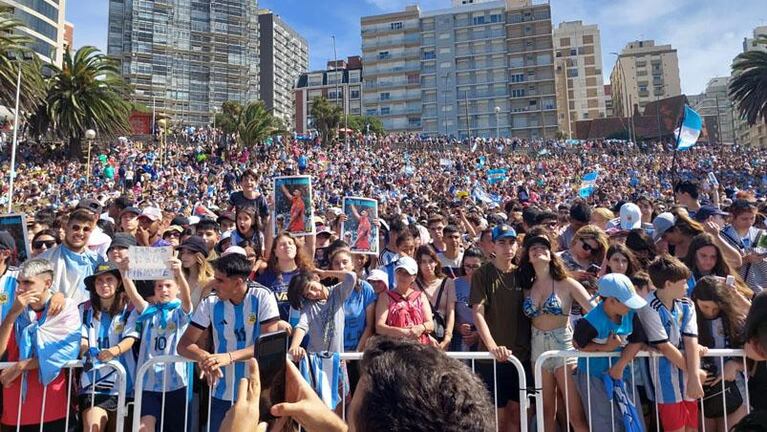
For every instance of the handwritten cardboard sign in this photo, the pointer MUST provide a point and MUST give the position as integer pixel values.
(149, 263)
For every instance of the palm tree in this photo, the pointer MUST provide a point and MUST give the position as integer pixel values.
(748, 87)
(327, 118)
(256, 123)
(87, 92)
(15, 52)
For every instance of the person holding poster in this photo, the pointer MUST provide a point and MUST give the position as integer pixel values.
(293, 204)
(360, 229)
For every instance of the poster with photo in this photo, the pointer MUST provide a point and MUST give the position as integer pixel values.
(359, 231)
(16, 225)
(293, 209)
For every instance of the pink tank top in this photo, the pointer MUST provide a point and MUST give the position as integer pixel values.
(405, 312)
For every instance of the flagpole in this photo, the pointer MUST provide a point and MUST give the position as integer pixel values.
(676, 144)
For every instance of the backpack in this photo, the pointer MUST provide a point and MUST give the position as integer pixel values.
(405, 312)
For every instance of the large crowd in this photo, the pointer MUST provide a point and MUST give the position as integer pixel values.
(665, 253)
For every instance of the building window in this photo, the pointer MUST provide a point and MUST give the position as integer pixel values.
(478, 20)
(383, 55)
(572, 73)
(385, 110)
(573, 52)
(371, 112)
(355, 94)
(515, 78)
(495, 18)
(517, 92)
(429, 55)
(385, 96)
(396, 26)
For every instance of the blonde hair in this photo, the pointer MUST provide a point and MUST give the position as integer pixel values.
(603, 213)
(204, 270)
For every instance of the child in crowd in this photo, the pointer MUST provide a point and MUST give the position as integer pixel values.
(670, 326)
(607, 328)
(161, 326)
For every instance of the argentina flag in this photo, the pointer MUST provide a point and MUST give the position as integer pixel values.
(588, 184)
(688, 134)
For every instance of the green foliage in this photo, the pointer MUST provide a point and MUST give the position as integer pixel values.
(228, 118)
(748, 87)
(255, 124)
(15, 53)
(87, 92)
(327, 118)
(360, 123)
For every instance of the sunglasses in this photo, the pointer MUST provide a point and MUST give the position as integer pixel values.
(472, 266)
(40, 243)
(173, 234)
(587, 247)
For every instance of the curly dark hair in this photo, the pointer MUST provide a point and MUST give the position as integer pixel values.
(526, 271)
(439, 394)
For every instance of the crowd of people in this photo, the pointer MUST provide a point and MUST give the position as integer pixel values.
(664, 256)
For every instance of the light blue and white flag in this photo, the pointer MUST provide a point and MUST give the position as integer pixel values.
(54, 341)
(588, 184)
(692, 124)
(497, 175)
(324, 372)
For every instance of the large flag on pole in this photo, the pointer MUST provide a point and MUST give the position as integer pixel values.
(588, 184)
(688, 134)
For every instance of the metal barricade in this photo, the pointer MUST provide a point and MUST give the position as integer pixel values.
(352, 356)
(121, 391)
(653, 358)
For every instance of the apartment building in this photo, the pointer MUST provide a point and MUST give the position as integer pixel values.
(340, 83)
(43, 21)
(715, 103)
(755, 135)
(284, 56)
(643, 72)
(580, 87)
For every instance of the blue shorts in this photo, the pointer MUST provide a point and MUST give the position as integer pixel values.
(175, 405)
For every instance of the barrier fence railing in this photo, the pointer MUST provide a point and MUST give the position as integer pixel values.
(653, 358)
(121, 383)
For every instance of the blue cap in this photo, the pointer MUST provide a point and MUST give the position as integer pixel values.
(619, 286)
(502, 232)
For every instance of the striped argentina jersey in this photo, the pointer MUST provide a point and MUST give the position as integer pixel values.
(235, 326)
(102, 332)
(8, 283)
(157, 341)
(667, 382)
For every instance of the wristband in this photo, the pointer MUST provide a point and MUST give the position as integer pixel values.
(230, 358)
(119, 350)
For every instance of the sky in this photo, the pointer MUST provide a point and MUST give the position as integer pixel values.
(707, 34)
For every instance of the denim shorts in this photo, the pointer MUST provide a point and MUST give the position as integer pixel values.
(552, 340)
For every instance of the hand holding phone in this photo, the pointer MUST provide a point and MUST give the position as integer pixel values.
(271, 352)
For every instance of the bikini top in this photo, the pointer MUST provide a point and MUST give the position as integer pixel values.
(552, 306)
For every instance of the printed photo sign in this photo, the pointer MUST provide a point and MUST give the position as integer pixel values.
(293, 209)
(359, 231)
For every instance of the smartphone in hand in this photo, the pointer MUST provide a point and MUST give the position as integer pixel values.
(271, 352)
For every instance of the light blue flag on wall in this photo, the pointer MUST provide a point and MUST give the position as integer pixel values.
(688, 134)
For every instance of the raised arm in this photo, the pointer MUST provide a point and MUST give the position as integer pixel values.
(579, 294)
(184, 291)
(286, 192)
(130, 287)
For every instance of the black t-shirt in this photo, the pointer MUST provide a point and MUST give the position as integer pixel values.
(585, 332)
(239, 200)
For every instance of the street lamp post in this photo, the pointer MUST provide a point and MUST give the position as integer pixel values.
(163, 123)
(15, 139)
(497, 125)
(90, 134)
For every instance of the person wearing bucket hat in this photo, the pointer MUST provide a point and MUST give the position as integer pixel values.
(110, 335)
(195, 244)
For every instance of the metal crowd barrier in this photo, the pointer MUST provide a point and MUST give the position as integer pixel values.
(121, 391)
(653, 358)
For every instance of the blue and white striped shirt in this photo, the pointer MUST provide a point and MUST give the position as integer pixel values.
(8, 283)
(102, 331)
(235, 326)
(157, 341)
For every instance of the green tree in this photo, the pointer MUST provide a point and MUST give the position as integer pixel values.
(15, 52)
(87, 92)
(360, 124)
(256, 123)
(327, 118)
(228, 119)
(748, 87)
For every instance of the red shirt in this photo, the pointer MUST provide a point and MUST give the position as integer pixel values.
(32, 407)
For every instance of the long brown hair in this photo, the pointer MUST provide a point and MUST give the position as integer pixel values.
(619, 248)
(526, 271)
(733, 317)
(721, 268)
(427, 250)
(121, 299)
(302, 262)
(204, 269)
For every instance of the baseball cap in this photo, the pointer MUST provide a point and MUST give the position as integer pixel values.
(227, 215)
(234, 250)
(195, 244)
(379, 275)
(123, 240)
(707, 211)
(631, 216)
(180, 221)
(152, 213)
(662, 223)
(408, 264)
(172, 228)
(502, 232)
(133, 210)
(6, 241)
(619, 286)
(107, 267)
(90, 204)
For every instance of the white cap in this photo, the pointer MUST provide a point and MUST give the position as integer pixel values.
(234, 250)
(379, 275)
(631, 216)
(408, 264)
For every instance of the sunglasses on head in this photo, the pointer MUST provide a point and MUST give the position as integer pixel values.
(37, 244)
